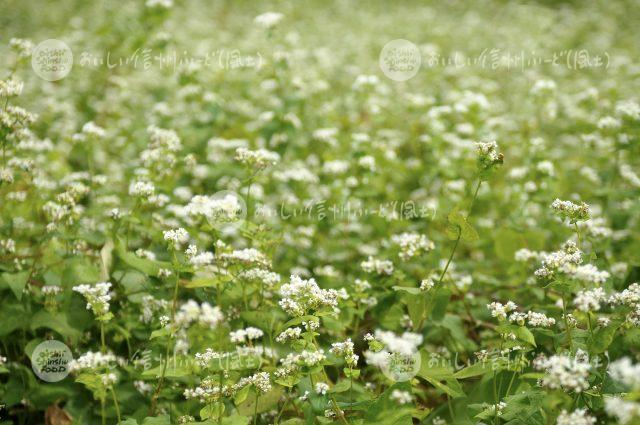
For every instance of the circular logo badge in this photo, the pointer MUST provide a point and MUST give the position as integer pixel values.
(400, 60)
(401, 367)
(50, 360)
(52, 60)
(228, 209)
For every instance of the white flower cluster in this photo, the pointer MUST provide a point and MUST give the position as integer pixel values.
(258, 159)
(176, 237)
(246, 256)
(218, 209)
(142, 189)
(565, 372)
(570, 211)
(381, 267)
(91, 361)
(532, 318)
(500, 310)
(624, 411)
(629, 297)
(589, 300)
(10, 87)
(204, 314)
(412, 244)
(345, 349)
(261, 381)
(241, 336)
(624, 371)
(268, 278)
(568, 261)
(97, 297)
(488, 155)
(289, 334)
(577, 417)
(406, 344)
(322, 388)
(300, 296)
(401, 397)
(268, 20)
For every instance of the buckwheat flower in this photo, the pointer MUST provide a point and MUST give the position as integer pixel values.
(51, 290)
(543, 88)
(603, 322)
(630, 176)
(590, 300)
(21, 46)
(268, 278)
(247, 256)
(261, 381)
(488, 155)
(412, 244)
(6, 175)
(268, 20)
(202, 259)
(539, 320)
(186, 419)
(257, 159)
(367, 162)
(176, 237)
(301, 296)
(108, 379)
(10, 87)
(406, 344)
(577, 417)
(289, 334)
(321, 388)
(625, 372)
(567, 210)
(345, 349)
(141, 189)
(159, 4)
(243, 335)
(609, 123)
(564, 372)
(427, 284)
(624, 411)
(499, 310)
(381, 267)
(401, 397)
(91, 361)
(589, 273)
(97, 297)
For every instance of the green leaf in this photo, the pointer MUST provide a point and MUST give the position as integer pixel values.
(56, 321)
(16, 282)
(157, 420)
(458, 225)
(410, 289)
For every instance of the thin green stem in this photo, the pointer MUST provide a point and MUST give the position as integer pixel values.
(115, 403)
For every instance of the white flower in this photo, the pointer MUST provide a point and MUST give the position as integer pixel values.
(401, 397)
(577, 417)
(300, 296)
(268, 20)
(412, 244)
(258, 159)
(624, 371)
(97, 297)
(321, 388)
(176, 237)
(624, 411)
(564, 372)
(382, 267)
(141, 189)
(91, 360)
(590, 300)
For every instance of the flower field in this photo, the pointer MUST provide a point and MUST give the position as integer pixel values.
(297, 213)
